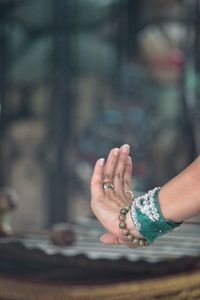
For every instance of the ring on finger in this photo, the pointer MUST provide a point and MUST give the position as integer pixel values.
(108, 185)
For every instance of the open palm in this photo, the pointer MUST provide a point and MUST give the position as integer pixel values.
(106, 203)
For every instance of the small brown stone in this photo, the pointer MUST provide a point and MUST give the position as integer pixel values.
(126, 232)
(123, 211)
(122, 225)
(136, 241)
(122, 217)
(141, 243)
(130, 237)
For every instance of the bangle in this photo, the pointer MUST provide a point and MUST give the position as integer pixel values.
(132, 241)
(147, 217)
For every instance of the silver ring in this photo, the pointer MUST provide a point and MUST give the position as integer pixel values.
(108, 185)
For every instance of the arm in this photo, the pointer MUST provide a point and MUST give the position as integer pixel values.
(179, 199)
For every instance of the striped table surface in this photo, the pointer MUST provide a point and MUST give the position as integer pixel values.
(183, 241)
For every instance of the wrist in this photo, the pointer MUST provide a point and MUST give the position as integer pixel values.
(148, 218)
(131, 226)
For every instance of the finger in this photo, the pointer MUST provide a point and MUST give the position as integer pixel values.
(127, 175)
(110, 239)
(110, 165)
(96, 180)
(128, 179)
(120, 169)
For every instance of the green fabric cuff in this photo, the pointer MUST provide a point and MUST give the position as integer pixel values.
(152, 230)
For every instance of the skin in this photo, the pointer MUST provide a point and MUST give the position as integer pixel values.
(179, 199)
(106, 204)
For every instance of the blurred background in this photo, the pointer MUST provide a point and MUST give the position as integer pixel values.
(79, 77)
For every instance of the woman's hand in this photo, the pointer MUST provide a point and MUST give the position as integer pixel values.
(106, 203)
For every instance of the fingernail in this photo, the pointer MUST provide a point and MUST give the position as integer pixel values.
(129, 159)
(101, 161)
(125, 149)
(116, 151)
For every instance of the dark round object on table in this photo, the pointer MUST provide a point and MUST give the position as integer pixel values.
(62, 235)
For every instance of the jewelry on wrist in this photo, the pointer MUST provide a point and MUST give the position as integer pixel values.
(132, 240)
(146, 205)
(147, 217)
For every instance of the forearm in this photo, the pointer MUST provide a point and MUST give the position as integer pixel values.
(179, 199)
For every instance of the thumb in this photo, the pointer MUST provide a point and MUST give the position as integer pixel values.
(110, 239)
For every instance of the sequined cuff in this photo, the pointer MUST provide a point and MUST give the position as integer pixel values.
(147, 217)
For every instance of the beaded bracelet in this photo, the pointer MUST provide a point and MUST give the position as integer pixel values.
(132, 241)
